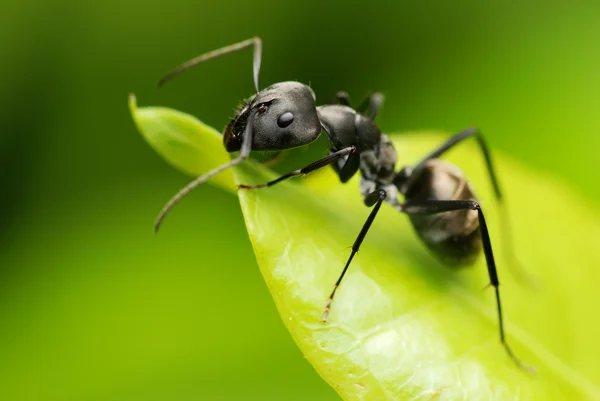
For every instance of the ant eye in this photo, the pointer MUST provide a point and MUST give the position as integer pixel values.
(262, 108)
(285, 119)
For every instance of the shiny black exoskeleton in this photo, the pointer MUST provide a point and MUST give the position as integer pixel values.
(437, 198)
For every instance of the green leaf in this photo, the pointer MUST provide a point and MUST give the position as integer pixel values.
(404, 326)
(182, 140)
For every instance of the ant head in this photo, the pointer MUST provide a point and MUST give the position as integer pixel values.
(284, 116)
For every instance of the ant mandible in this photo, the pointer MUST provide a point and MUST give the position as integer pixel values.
(285, 116)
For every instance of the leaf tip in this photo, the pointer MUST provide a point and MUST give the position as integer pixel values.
(132, 103)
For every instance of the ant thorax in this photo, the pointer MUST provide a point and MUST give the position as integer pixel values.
(375, 156)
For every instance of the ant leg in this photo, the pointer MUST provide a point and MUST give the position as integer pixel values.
(244, 153)
(456, 139)
(515, 266)
(440, 206)
(369, 107)
(374, 198)
(305, 170)
(255, 41)
(343, 98)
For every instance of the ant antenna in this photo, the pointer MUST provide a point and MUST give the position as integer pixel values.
(244, 153)
(247, 141)
(255, 41)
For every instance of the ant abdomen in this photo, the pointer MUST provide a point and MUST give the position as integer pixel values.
(453, 236)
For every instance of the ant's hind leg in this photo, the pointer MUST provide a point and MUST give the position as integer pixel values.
(515, 267)
(441, 206)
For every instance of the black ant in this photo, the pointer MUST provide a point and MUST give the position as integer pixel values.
(438, 199)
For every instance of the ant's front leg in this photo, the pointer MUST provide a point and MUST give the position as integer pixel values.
(305, 170)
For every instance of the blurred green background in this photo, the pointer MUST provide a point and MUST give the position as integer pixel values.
(94, 306)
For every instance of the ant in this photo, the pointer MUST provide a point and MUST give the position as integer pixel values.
(437, 197)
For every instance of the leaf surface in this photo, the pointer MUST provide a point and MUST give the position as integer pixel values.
(403, 326)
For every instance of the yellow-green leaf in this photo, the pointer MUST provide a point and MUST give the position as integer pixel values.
(182, 140)
(403, 326)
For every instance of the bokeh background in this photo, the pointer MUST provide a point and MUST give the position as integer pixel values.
(93, 306)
